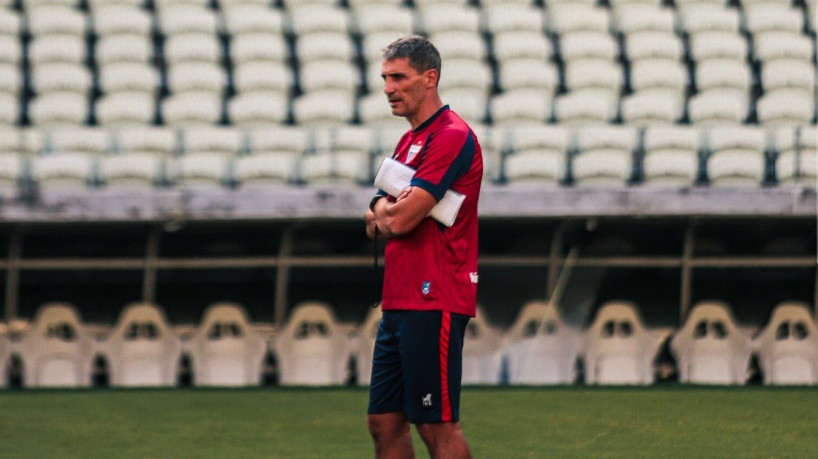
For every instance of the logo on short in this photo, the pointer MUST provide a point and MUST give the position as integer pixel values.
(426, 287)
(427, 400)
(473, 277)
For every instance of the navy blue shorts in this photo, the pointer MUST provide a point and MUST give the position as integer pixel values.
(417, 365)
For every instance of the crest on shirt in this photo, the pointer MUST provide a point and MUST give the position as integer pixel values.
(413, 151)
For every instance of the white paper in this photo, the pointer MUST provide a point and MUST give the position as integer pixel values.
(393, 176)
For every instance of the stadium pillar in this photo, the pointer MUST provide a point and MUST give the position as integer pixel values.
(685, 296)
(151, 255)
(283, 275)
(13, 273)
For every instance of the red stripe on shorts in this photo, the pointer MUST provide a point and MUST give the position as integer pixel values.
(445, 331)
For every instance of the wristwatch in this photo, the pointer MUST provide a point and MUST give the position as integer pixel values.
(374, 200)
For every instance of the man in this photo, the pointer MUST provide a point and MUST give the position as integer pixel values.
(430, 280)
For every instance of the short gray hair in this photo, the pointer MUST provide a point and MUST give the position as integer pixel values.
(420, 52)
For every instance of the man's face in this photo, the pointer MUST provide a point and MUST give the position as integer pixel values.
(404, 87)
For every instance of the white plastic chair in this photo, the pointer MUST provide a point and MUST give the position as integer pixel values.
(57, 351)
(222, 140)
(671, 155)
(69, 170)
(258, 108)
(126, 109)
(482, 357)
(618, 349)
(194, 108)
(540, 347)
(258, 46)
(250, 18)
(142, 350)
(132, 170)
(83, 139)
(225, 350)
(311, 348)
(797, 160)
(364, 342)
(736, 156)
(710, 348)
(147, 139)
(605, 155)
(787, 348)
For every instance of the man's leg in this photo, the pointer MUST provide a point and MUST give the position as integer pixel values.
(445, 440)
(391, 434)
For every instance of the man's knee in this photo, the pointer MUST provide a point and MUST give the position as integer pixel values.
(387, 425)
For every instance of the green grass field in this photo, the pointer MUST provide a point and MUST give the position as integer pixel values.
(659, 421)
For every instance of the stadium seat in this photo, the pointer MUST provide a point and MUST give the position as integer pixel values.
(336, 168)
(330, 75)
(604, 155)
(11, 79)
(196, 76)
(324, 107)
(121, 19)
(584, 45)
(707, 18)
(56, 20)
(644, 108)
(435, 17)
(69, 170)
(176, 19)
(57, 351)
(643, 18)
(364, 343)
(61, 77)
(225, 350)
(310, 18)
(360, 139)
(263, 76)
(653, 45)
(46, 49)
(129, 77)
(797, 160)
(325, 46)
(9, 109)
(469, 103)
(501, 18)
(200, 170)
(310, 347)
(11, 50)
(723, 74)
(132, 171)
(266, 169)
(618, 349)
(123, 48)
(374, 111)
(258, 108)
(785, 108)
(787, 347)
(522, 106)
(718, 45)
(373, 44)
(660, 75)
(671, 155)
(788, 75)
(710, 348)
(511, 45)
(568, 17)
(221, 140)
(128, 108)
(85, 139)
(585, 107)
(259, 46)
(529, 75)
(376, 17)
(456, 46)
(142, 350)
(192, 108)
(59, 109)
(13, 169)
(596, 75)
(245, 19)
(482, 358)
(713, 108)
(10, 22)
(766, 18)
(736, 156)
(466, 74)
(278, 139)
(155, 140)
(540, 347)
(193, 47)
(782, 45)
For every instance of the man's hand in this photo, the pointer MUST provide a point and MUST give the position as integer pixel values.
(400, 217)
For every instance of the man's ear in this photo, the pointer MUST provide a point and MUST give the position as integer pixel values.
(432, 77)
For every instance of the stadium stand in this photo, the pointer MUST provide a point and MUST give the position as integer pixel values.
(482, 358)
(364, 345)
(162, 115)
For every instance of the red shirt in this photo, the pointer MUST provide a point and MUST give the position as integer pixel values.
(435, 267)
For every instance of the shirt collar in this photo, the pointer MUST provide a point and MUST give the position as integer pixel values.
(429, 121)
